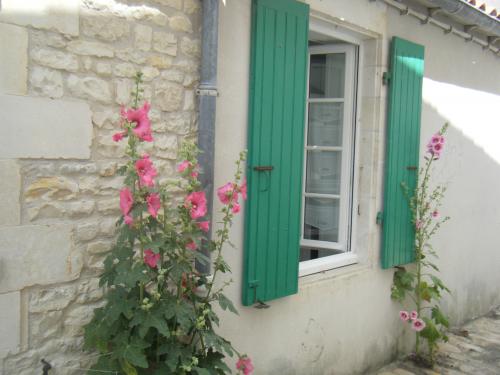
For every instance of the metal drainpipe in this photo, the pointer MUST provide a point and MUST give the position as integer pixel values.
(207, 93)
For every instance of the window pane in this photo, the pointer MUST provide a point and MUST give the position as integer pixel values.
(321, 221)
(307, 253)
(326, 75)
(325, 124)
(323, 172)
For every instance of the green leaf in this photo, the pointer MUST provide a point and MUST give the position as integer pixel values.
(128, 368)
(201, 371)
(134, 353)
(439, 317)
(225, 303)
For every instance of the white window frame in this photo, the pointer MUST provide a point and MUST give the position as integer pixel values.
(346, 195)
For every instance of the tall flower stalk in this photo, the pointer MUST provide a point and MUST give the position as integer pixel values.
(159, 315)
(420, 285)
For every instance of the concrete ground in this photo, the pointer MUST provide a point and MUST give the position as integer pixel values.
(473, 349)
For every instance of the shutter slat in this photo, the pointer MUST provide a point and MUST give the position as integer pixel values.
(402, 151)
(276, 127)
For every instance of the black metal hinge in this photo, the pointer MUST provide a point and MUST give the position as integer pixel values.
(386, 78)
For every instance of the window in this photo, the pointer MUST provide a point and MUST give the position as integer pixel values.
(300, 186)
(328, 155)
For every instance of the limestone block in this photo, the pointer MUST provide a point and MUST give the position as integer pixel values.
(10, 316)
(191, 47)
(149, 73)
(99, 247)
(165, 43)
(51, 298)
(125, 70)
(169, 96)
(181, 23)
(82, 47)
(36, 254)
(143, 37)
(14, 61)
(107, 119)
(191, 6)
(108, 148)
(103, 69)
(123, 91)
(177, 4)
(189, 100)
(77, 168)
(173, 75)
(105, 27)
(44, 128)
(90, 88)
(59, 188)
(107, 227)
(131, 55)
(45, 326)
(160, 62)
(108, 168)
(55, 59)
(41, 38)
(178, 123)
(87, 231)
(10, 191)
(90, 291)
(59, 15)
(47, 82)
(109, 206)
(166, 146)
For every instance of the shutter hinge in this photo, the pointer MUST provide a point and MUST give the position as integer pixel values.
(386, 78)
(379, 218)
(259, 304)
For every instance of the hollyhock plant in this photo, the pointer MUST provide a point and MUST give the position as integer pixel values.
(245, 365)
(418, 325)
(151, 259)
(154, 296)
(421, 284)
(227, 193)
(197, 204)
(204, 226)
(154, 204)
(140, 118)
(404, 316)
(146, 171)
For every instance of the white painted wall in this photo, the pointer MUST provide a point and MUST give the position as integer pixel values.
(343, 321)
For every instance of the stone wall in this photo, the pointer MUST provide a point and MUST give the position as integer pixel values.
(66, 67)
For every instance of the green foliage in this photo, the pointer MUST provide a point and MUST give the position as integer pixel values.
(159, 317)
(421, 285)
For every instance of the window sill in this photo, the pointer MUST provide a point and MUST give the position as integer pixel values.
(327, 263)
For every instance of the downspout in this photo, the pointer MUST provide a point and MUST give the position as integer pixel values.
(207, 92)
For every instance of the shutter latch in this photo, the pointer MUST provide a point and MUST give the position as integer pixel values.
(259, 304)
(379, 218)
(386, 78)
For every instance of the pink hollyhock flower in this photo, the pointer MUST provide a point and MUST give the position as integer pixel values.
(191, 246)
(140, 117)
(418, 325)
(183, 166)
(195, 173)
(243, 189)
(151, 259)
(435, 214)
(404, 315)
(413, 315)
(204, 225)
(154, 204)
(126, 201)
(197, 204)
(245, 364)
(119, 136)
(435, 145)
(146, 171)
(236, 208)
(227, 193)
(128, 220)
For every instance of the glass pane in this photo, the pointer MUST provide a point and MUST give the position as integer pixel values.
(323, 172)
(321, 219)
(308, 253)
(326, 75)
(325, 124)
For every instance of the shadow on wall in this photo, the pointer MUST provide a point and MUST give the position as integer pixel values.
(470, 167)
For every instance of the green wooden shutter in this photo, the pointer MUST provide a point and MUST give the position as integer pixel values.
(276, 134)
(402, 150)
